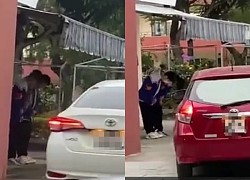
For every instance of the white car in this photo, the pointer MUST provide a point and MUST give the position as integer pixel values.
(88, 138)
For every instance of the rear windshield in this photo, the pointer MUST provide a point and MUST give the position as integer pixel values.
(103, 98)
(222, 91)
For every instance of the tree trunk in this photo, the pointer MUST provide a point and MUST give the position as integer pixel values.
(65, 73)
(190, 51)
(175, 40)
(238, 58)
(67, 84)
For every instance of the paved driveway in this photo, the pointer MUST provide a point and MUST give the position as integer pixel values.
(157, 157)
(158, 160)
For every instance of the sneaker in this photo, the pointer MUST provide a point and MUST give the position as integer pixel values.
(13, 161)
(26, 160)
(152, 135)
(162, 134)
(22, 160)
(30, 160)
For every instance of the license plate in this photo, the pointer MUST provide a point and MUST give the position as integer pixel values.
(234, 124)
(110, 140)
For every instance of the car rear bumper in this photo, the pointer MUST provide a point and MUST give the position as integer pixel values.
(190, 150)
(77, 165)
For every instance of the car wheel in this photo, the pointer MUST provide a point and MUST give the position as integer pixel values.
(184, 170)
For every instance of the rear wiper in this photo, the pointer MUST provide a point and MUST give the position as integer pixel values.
(237, 103)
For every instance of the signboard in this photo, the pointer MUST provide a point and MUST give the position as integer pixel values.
(160, 2)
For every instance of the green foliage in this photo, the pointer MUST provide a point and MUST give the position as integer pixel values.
(40, 128)
(48, 5)
(239, 15)
(147, 62)
(48, 99)
(186, 70)
(46, 115)
(106, 15)
(38, 51)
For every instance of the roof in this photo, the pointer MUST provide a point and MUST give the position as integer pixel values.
(80, 37)
(111, 83)
(222, 72)
(197, 27)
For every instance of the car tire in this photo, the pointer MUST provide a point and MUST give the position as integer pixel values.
(184, 170)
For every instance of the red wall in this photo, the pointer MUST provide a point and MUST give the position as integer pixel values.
(132, 126)
(8, 12)
(202, 48)
(159, 43)
(44, 69)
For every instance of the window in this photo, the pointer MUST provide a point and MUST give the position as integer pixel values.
(221, 91)
(103, 98)
(158, 28)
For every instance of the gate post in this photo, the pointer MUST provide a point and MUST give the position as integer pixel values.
(8, 14)
(132, 126)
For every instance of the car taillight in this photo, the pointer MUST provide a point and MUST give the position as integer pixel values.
(52, 174)
(185, 113)
(62, 124)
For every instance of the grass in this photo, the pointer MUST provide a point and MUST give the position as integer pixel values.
(40, 125)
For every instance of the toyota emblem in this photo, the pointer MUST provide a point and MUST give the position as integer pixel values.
(234, 111)
(110, 122)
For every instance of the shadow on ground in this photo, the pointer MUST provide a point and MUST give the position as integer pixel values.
(224, 169)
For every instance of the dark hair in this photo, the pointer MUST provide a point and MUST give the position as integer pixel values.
(35, 72)
(175, 78)
(45, 79)
(36, 75)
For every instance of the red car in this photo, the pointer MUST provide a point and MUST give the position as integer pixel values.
(213, 119)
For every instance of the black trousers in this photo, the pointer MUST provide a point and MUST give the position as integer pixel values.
(158, 113)
(19, 137)
(147, 117)
(25, 133)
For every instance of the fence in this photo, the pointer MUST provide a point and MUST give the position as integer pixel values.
(164, 54)
(86, 76)
(234, 54)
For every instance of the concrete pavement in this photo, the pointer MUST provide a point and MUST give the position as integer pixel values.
(34, 171)
(157, 158)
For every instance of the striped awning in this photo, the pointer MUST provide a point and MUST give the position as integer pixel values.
(197, 27)
(81, 37)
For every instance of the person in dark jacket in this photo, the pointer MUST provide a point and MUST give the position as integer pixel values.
(148, 94)
(26, 120)
(167, 80)
(19, 100)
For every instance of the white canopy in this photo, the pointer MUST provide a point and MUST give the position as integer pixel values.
(161, 2)
(197, 27)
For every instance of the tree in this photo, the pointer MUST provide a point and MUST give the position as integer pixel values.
(222, 9)
(147, 62)
(105, 15)
(215, 9)
(176, 27)
(97, 13)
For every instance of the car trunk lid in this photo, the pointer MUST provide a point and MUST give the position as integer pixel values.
(208, 120)
(104, 130)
